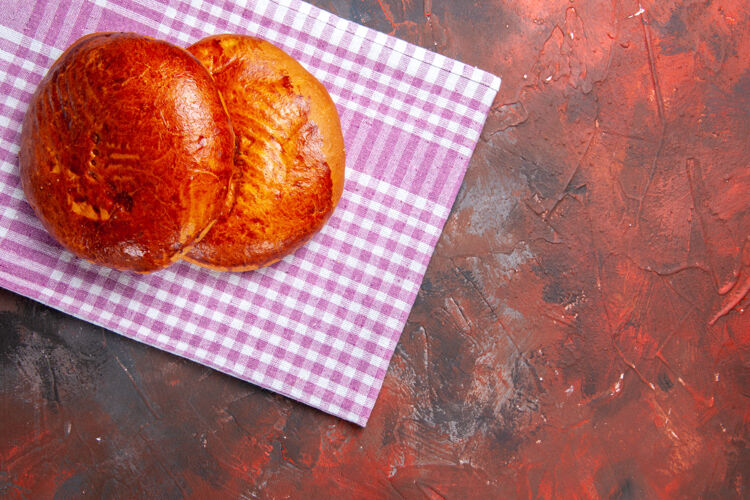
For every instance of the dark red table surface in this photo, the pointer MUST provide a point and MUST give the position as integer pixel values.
(580, 331)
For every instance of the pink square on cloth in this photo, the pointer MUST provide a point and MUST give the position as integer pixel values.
(321, 325)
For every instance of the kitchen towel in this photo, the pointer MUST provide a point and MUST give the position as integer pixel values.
(321, 325)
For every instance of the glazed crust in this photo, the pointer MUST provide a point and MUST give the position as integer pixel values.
(126, 151)
(289, 158)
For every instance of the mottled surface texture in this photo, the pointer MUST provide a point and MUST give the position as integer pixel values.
(579, 333)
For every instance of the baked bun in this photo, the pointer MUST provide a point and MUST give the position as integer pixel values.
(126, 151)
(289, 159)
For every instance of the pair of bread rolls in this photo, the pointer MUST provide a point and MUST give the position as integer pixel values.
(136, 153)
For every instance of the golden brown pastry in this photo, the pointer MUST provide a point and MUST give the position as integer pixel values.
(289, 158)
(126, 151)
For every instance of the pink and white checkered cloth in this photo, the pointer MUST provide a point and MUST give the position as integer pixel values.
(321, 325)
